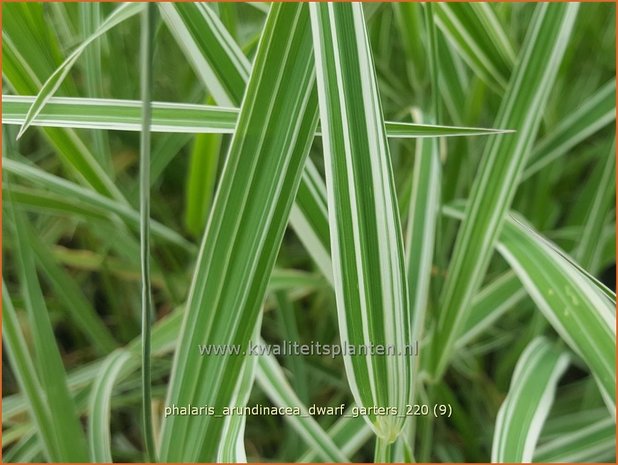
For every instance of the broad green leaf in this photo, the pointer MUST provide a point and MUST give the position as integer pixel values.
(366, 242)
(528, 401)
(497, 178)
(258, 184)
(124, 115)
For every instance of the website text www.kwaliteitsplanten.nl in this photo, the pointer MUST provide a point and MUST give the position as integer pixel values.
(313, 348)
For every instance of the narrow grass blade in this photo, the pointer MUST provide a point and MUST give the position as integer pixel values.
(349, 434)
(124, 115)
(366, 243)
(271, 379)
(527, 404)
(100, 405)
(25, 372)
(258, 184)
(69, 437)
(597, 112)
(595, 442)
(90, 20)
(604, 199)
(78, 199)
(503, 161)
(573, 304)
(214, 55)
(119, 15)
(477, 34)
(148, 25)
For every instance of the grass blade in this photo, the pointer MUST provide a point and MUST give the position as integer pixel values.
(527, 404)
(503, 161)
(370, 282)
(124, 115)
(119, 15)
(258, 183)
(148, 24)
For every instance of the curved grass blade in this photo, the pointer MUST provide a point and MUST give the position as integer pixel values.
(258, 184)
(597, 112)
(528, 401)
(271, 379)
(77, 199)
(503, 161)
(124, 115)
(25, 372)
(573, 304)
(119, 15)
(368, 265)
(100, 405)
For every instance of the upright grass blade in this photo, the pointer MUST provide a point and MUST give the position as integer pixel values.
(503, 161)
(90, 19)
(25, 372)
(604, 199)
(527, 404)
(476, 32)
(30, 55)
(69, 438)
(148, 24)
(124, 115)
(250, 211)
(366, 243)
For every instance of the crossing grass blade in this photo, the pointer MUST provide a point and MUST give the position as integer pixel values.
(50, 86)
(366, 242)
(124, 115)
(528, 401)
(259, 180)
(502, 164)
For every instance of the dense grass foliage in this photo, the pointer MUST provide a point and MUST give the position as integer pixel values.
(433, 178)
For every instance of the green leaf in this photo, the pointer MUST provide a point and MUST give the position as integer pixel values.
(502, 164)
(250, 211)
(124, 115)
(528, 401)
(50, 86)
(368, 265)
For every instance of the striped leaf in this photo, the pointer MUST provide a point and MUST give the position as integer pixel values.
(366, 242)
(259, 181)
(502, 164)
(124, 115)
(528, 401)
